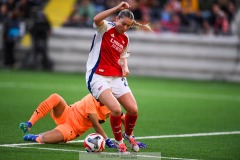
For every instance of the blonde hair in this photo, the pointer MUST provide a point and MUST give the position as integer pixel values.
(139, 25)
(129, 14)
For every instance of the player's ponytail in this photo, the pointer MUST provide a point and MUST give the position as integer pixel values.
(129, 14)
(139, 25)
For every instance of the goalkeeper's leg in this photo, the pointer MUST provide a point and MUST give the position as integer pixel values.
(62, 133)
(54, 102)
(50, 137)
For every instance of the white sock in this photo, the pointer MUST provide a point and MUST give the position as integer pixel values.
(128, 136)
(119, 142)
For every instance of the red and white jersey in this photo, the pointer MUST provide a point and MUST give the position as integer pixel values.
(108, 46)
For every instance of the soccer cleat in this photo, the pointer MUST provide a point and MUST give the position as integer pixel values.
(25, 126)
(133, 144)
(140, 144)
(30, 137)
(122, 149)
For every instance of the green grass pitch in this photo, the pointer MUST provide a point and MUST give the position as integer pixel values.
(208, 112)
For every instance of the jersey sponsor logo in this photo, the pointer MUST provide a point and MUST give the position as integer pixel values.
(116, 45)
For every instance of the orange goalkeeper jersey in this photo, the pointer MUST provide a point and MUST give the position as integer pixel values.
(78, 115)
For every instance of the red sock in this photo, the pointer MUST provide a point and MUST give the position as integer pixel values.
(116, 124)
(130, 122)
(44, 107)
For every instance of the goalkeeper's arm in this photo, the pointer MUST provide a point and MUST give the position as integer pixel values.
(98, 128)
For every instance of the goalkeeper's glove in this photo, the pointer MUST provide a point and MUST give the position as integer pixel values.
(109, 143)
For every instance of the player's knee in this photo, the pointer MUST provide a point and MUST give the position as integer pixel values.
(54, 99)
(55, 96)
(116, 111)
(133, 111)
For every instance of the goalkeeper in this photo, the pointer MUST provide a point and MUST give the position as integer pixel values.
(72, 121)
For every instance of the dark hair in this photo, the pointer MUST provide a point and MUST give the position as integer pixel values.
(126, 13)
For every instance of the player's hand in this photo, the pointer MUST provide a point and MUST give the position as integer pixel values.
(109, 143)
(125, 71)
(122, 6)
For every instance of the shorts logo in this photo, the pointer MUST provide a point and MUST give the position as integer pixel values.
(124, 81)
(100, 88)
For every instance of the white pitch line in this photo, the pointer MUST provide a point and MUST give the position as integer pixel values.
(107, 153)
(191, 135)
(23, 145)
(179, 135)
(146, 137)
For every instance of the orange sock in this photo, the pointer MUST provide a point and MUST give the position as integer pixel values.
(44, 107)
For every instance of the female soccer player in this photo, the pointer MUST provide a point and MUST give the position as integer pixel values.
(72, 121)
(107, 70)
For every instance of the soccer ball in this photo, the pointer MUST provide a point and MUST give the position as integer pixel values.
(94, 142)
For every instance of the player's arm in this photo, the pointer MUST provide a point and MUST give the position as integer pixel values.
(96, 125)
(98, 128)
(98, 19)
(124, 65)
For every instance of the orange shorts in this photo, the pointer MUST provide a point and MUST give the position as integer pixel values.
(64, 126)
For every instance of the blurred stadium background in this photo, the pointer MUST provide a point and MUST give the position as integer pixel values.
(191, 39)
(185, 74)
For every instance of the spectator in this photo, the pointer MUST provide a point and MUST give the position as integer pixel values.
(24, 9)
(3, 13)
(82, 14)
(11, 35)
(166, 17)
(189, 15)
(135, 10)
(231, 11)
(40, 32)
(219, 21)
(69, 21)
(99, 6)
(11, 5)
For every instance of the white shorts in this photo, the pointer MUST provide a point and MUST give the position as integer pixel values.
(98, 84)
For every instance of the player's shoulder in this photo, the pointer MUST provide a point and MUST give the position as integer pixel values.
(126, 34)
(104, 27)
(112, 24)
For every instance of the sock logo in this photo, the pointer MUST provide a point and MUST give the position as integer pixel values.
(119, 131)
(37, 111)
